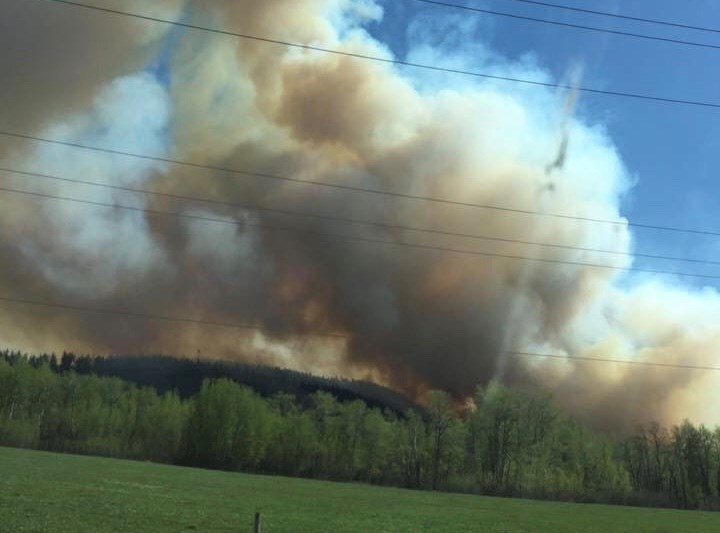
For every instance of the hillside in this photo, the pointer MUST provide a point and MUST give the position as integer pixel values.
(510, 444)
(185, 376)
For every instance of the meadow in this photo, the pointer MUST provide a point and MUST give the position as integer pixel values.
(58, 493)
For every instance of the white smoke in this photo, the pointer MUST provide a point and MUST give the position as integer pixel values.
(92, 249)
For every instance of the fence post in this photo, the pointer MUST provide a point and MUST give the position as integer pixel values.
(258, 523)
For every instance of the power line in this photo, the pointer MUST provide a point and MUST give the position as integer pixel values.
(392, 61)
(186, 320)
(349, 220)
(618, 16)
(145, 316)
(349, 238)
(568, 24)
(358, 189)
(609, 360)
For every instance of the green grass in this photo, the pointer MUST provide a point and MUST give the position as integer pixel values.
(43, 492)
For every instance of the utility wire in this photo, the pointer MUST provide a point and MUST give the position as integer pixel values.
(357, 189)
(386, 60)
(349, 220)
(618, 16)
(609, 360)
(568, 24)
(145, 316)
(185, 320)
(349, 238)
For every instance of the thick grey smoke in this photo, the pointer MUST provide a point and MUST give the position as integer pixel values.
(55, 58)
(413, 318)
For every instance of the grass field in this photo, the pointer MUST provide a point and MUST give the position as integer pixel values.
(43, 492)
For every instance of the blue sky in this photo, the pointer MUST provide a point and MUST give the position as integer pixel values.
(670, 150)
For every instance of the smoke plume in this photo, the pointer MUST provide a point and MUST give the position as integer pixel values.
(413, 318)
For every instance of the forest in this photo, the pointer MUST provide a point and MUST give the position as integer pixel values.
(186, 376)
(507, 443)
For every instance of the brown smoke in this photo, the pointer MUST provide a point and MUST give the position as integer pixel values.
(413, 318)
(56, 57)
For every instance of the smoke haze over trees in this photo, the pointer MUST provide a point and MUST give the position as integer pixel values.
(509, 443)
(185, 376)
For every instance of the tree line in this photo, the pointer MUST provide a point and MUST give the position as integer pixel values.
(185, 376)
(508, 443)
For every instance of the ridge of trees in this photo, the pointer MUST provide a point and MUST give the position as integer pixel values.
(186, 376)
(509, 443)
